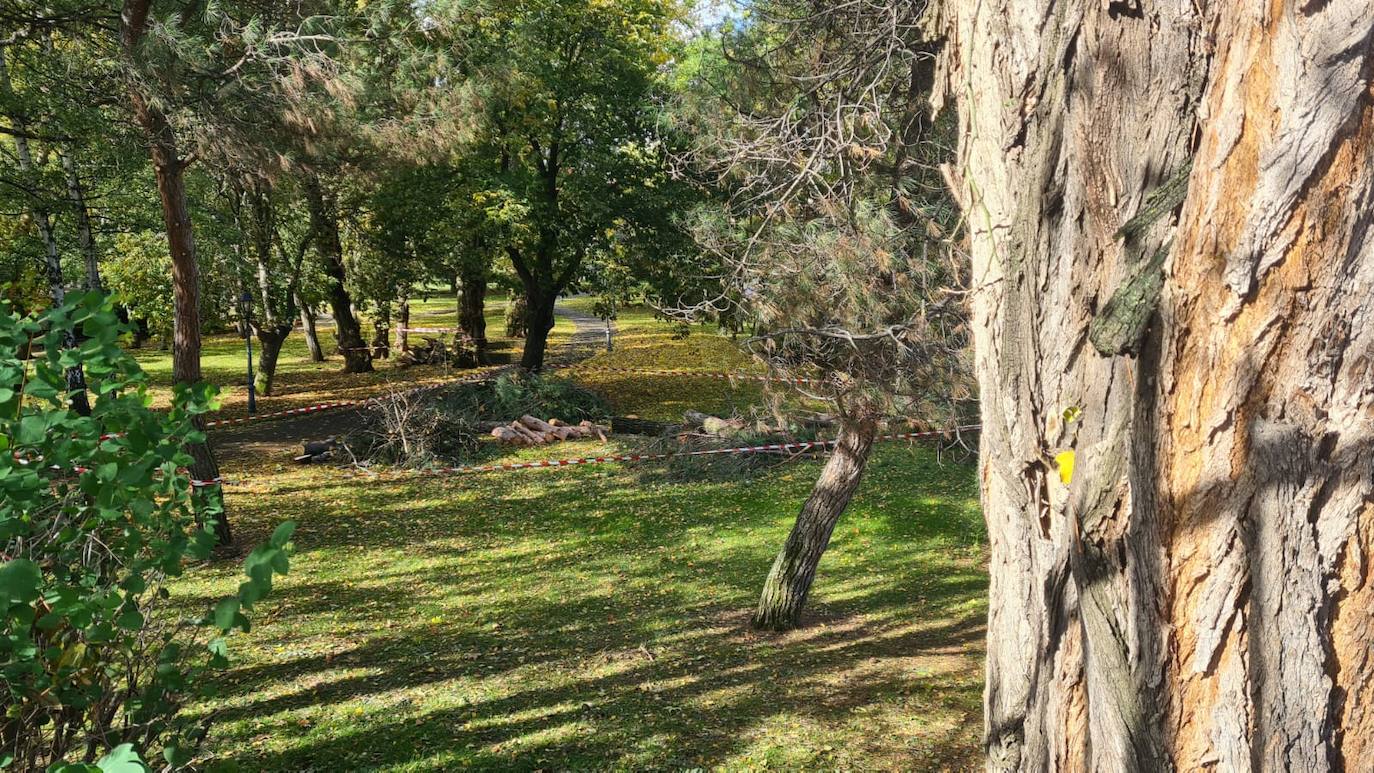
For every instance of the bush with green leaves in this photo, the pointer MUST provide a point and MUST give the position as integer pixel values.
(96, 516)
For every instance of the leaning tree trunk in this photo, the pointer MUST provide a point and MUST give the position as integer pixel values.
(312, 336)
(1178, 443)
(472, 310)
(325, 225)
(789, 581)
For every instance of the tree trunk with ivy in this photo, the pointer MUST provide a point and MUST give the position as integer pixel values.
(1173, 283)
(789, 582)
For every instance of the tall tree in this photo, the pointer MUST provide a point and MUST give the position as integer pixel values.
(565, 93)
(324, 224)
(831, 235)
(169, 168)
(1173, 278)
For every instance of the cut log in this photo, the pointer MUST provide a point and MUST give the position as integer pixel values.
(508, 435)
(530, 436)
(537, 424)
(694, 418)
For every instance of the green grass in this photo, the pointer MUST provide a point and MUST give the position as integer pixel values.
(299, 381)
(595, 618)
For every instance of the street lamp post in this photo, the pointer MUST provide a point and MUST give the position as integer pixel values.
(247, 301)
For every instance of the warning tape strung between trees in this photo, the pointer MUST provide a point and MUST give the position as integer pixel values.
(720, 375)
(799, 447)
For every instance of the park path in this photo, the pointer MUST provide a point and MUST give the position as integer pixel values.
(281, 439)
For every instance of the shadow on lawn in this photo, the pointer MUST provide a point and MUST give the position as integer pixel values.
(609, 635)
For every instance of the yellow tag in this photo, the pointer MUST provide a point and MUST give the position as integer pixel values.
(1065, 463)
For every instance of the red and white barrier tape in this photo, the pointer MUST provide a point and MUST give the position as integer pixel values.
(719, 375)
(79, 470)
(769, 448)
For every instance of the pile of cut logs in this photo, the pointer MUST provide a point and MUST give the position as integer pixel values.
(529, 431)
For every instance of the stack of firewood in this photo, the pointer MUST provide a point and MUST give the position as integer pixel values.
(529, 431)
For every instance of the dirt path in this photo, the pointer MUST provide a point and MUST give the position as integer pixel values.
(281, 439)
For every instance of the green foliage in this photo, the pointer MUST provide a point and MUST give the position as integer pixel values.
(96, 515)
(517, 394)
(140, 272)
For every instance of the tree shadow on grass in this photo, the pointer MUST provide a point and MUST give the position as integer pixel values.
(581, 621)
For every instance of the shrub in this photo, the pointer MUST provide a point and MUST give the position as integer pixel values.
(96, 515)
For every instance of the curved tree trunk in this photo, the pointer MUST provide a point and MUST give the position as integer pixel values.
(325, 225)
(1178, 444)
(789, 581)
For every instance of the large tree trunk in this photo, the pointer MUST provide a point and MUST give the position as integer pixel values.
(312, 336)
(270, 341)
(1178, 444)
(539, 321)
(789, 581)
(169, 169)
(472, 310)
(325, 226)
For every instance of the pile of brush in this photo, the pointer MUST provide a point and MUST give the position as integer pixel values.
(530, 431)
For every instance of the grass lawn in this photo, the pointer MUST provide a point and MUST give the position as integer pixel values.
(595, 618)
(302, 382)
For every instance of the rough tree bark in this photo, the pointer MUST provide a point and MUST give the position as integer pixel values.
(169, 169)
(789, 581)
(324, 223)
(1192, 592)
(472, 310)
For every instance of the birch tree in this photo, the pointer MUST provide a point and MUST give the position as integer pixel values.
(1173, 289)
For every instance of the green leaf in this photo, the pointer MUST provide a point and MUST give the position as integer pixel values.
(32, 429)
(282, 534)
(122, 759)
(20, 580)
(131, 620)
(225, 613)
